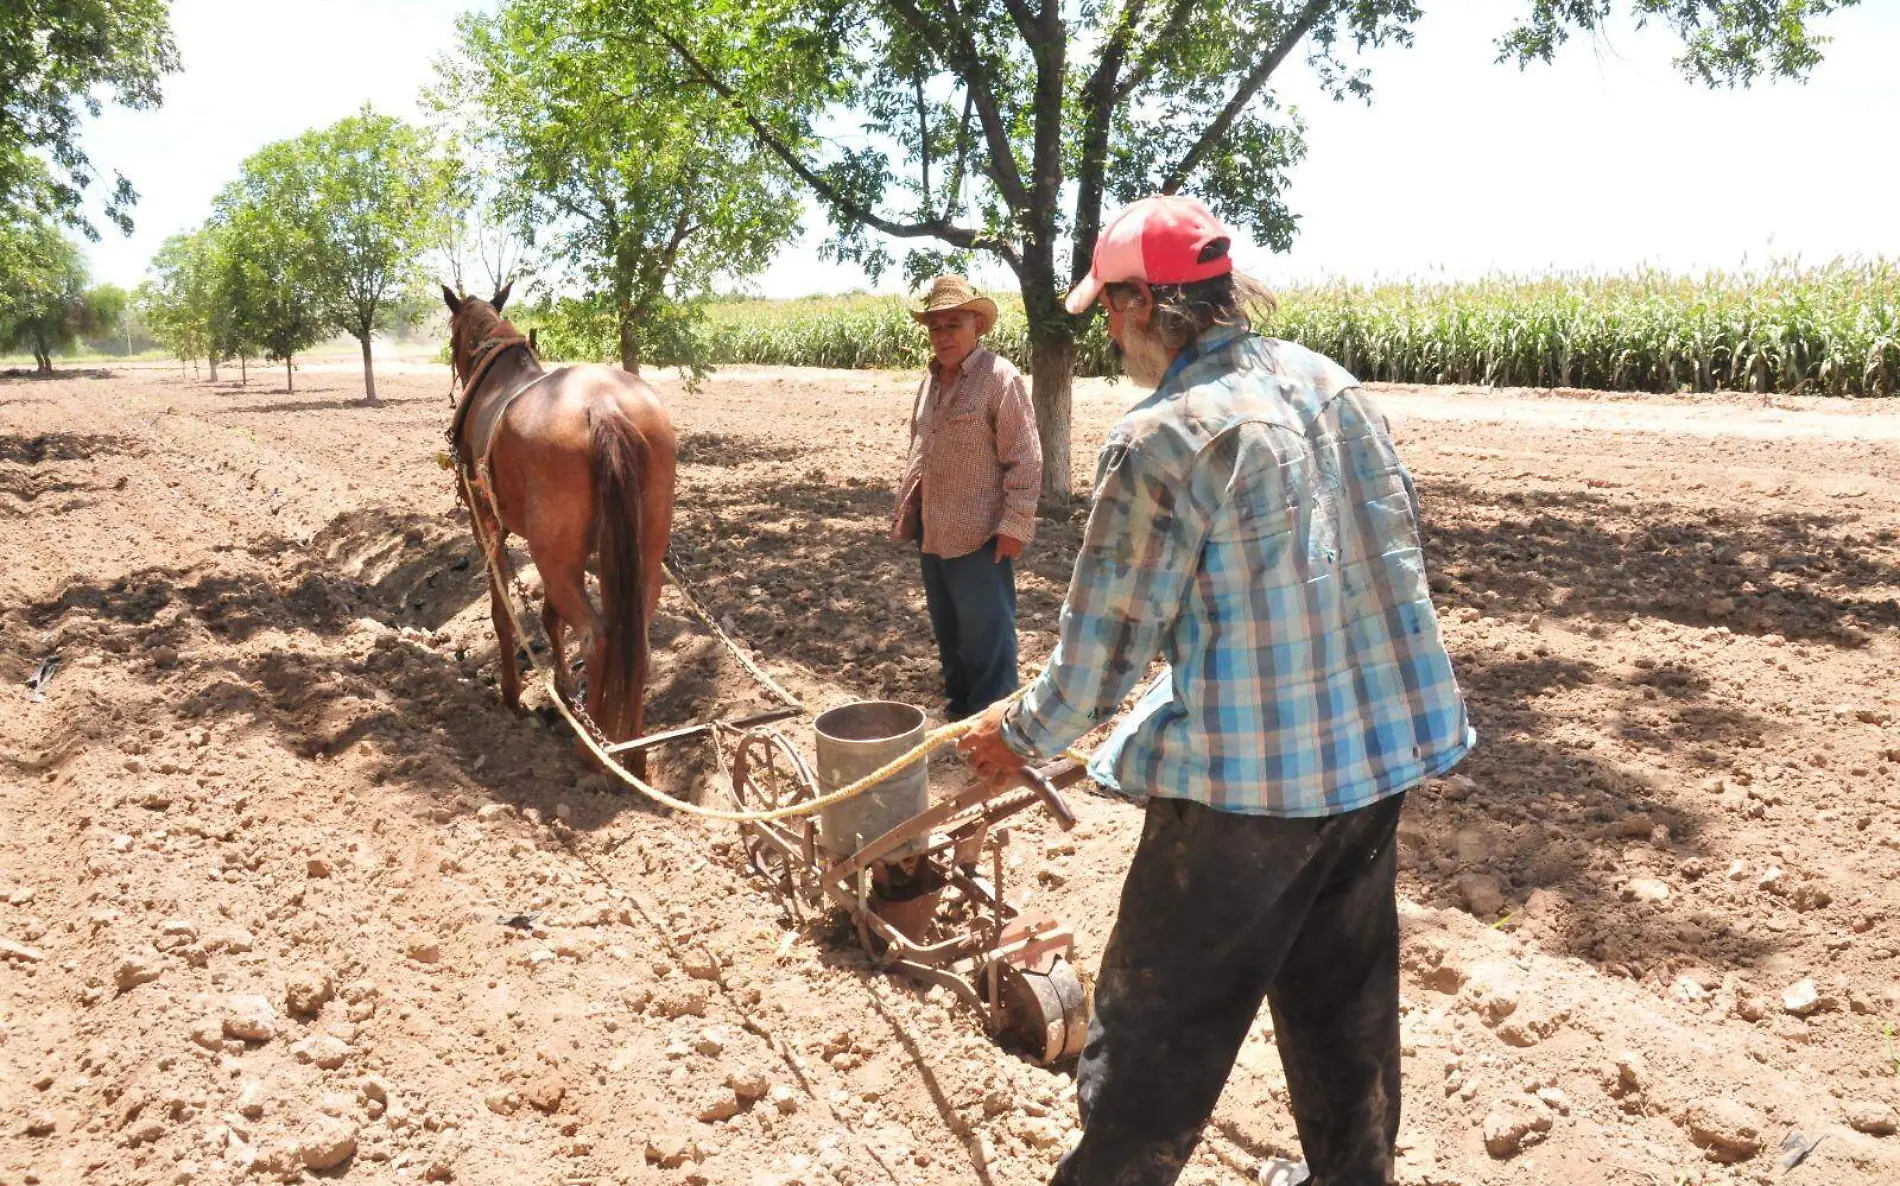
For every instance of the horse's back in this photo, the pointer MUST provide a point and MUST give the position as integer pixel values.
(582, 390)
(545, 452)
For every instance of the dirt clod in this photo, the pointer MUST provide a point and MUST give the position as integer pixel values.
(327, 1144)
(1667, 599)
(1513, 1125)
(1726, 1129)
(249, 1018)
(308, 990)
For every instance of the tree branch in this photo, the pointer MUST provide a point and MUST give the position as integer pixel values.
(1100, 96)
(1249, 87)
(923, 144)
(956, 169)
(963, 56)
(937, 228)
(1025, 19)
(571, 207)
(1171, 27)
(681, 229)
(1050, 48)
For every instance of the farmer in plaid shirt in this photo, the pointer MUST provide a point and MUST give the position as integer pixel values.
(968, 494)
(1253, 526)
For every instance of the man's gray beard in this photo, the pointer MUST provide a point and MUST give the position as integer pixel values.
(1144, 359)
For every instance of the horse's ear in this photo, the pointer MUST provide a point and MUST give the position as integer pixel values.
(454, 302)
(501, 296)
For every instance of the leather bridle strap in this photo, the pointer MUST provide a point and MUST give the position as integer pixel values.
(487, 351)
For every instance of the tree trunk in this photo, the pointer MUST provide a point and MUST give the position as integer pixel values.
(1051, 373)
(290, 384)
(369, 373)
(630, 340)
(244, 371)
(211, 366)
(42, 361)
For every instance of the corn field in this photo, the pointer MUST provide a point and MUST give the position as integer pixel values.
(858, 332)
(1832, 330)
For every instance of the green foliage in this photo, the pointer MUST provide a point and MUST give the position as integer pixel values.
(483, 223)
(58, 59)
(107, 307)
(320, 233)
(179, 300)
(1724, 43)
(638, 180)
(1833, 330)
(586, 329)
(271, 272)
(859, 332)
(323, 232)
(344, 215)
(43, 304)
(375, 191)
(1015, 123)
(994, 105)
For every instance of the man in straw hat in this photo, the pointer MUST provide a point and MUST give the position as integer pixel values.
(968, 494)
(1254, 527)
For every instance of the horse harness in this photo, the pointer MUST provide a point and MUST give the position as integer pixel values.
(478, 417)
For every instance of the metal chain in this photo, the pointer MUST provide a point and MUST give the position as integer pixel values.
(692, 603)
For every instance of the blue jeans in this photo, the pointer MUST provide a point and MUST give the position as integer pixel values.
(972, 601)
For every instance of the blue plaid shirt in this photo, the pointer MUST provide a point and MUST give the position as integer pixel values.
(1254, 527)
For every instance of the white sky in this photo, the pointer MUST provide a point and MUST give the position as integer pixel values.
(1606, 160)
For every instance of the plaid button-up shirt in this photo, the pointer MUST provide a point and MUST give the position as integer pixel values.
(1254, 527)
(975, 462)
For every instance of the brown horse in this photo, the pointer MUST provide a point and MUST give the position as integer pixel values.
(575, 461)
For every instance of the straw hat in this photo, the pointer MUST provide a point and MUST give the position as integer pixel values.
(954, 292)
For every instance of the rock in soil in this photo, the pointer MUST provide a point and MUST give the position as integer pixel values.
(325, 1050)
(308, 990)
(545, 1093)
(327, 1144)
(1872, 1117)
(671, 1150)
(140, 967)
(250, 1018)
(1801, 998)
(1514, 1125)
(1727, 1130)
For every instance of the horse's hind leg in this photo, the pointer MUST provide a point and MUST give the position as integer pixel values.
(568, 605)
(556, 626)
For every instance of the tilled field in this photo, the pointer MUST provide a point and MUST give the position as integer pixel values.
(262, 830)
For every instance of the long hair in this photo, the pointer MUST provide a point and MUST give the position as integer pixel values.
(1183, 312)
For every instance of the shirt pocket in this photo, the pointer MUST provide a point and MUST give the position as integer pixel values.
(965, 429)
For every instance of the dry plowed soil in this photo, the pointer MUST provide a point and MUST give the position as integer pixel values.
(267, 839)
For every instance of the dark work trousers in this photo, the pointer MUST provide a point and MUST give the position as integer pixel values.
(1219, 911)
(972, 602)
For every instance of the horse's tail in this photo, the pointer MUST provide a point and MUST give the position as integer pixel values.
(620, 458)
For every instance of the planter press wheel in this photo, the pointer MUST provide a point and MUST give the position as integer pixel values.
(1045, 1014)
(769, 773)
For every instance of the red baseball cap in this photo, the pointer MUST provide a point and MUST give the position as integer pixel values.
(1166, 239)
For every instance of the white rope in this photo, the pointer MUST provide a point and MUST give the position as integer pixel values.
(504, 580)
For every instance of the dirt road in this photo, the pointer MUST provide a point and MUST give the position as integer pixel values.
(262, 829)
